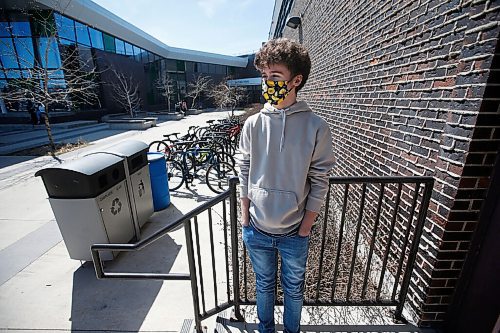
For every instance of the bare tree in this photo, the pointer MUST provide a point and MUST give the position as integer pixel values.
(126, 93)
(226, 95)
(198, 87)
(165, 85)
(53, 76)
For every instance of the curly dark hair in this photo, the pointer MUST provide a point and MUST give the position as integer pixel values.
(286, 52)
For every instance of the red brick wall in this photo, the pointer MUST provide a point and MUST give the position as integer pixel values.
(412, 88)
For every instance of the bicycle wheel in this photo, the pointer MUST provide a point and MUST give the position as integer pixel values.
(159, 146)
(184, 159)
(175, 175)
(225, 157)
(198, 152)
(218, 175)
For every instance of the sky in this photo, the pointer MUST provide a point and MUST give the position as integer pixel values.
(231, 27)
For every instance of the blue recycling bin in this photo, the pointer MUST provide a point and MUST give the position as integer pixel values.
(159, 180)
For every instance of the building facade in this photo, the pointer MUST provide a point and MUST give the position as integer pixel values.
(412, 88)
(40, 36)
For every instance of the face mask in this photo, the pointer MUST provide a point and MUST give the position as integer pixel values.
(274, 92)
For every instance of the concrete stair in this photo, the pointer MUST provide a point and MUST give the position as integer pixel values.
(17, 140)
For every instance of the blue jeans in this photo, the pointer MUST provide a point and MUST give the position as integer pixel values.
(262, 252)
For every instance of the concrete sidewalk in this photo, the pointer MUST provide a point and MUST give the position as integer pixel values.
(42, 289)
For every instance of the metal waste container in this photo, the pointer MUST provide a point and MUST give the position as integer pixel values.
(137, 173)
(89, 199)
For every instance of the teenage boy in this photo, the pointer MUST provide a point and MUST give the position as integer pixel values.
(286, 156)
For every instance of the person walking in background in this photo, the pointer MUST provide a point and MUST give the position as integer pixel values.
(40, 113)
(184, 106)
(286, 155)
(32, 112)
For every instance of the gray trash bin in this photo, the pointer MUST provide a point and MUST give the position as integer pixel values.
(89, 199)
(137, 173)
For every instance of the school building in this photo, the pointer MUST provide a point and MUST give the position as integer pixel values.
(102, 41)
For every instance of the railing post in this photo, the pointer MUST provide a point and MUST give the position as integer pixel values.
(233, 215)
(96, 258)
(192, 273)
(429, 185)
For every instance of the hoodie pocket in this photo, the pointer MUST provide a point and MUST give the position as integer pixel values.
(272, 206)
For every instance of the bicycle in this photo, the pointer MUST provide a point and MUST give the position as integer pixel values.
(217, 174)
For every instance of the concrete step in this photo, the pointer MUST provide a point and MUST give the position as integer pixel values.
(29, 132)
(41, 133)
(69, 124)
(59, 136)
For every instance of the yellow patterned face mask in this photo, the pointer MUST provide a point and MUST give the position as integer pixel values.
(274, 92)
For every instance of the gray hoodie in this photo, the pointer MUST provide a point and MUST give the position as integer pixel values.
(286, 155)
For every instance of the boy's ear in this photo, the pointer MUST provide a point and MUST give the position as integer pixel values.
(297, 80)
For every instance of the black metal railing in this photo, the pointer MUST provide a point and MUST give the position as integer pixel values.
(354, 257)
(367, 235)
(198, 271)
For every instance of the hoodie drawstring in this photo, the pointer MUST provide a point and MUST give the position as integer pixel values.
(292, 109)
(283, 117)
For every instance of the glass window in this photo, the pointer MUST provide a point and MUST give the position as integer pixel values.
(181, 66)
(26, 73)
(49, 46)
(8, 53)
(144, 56)
(86, 59)
(25, 53)
(82, 34)
(44, 25)
(96, 38)
(128, 49)
(137, 53)
(204, 68)
(212, 69)
(221, 69)
(65, 27)
(56, 84)
(3, 83)
(4, 29)
(13, 73)
(56, 74)
(171, 65)
(120, 46)
(189, 66)
(20, 29)
(109, 43)
(151, 57)
(66, 42)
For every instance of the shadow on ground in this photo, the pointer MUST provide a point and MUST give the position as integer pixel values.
(122, 305)
(6, 161)
(191, 193)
